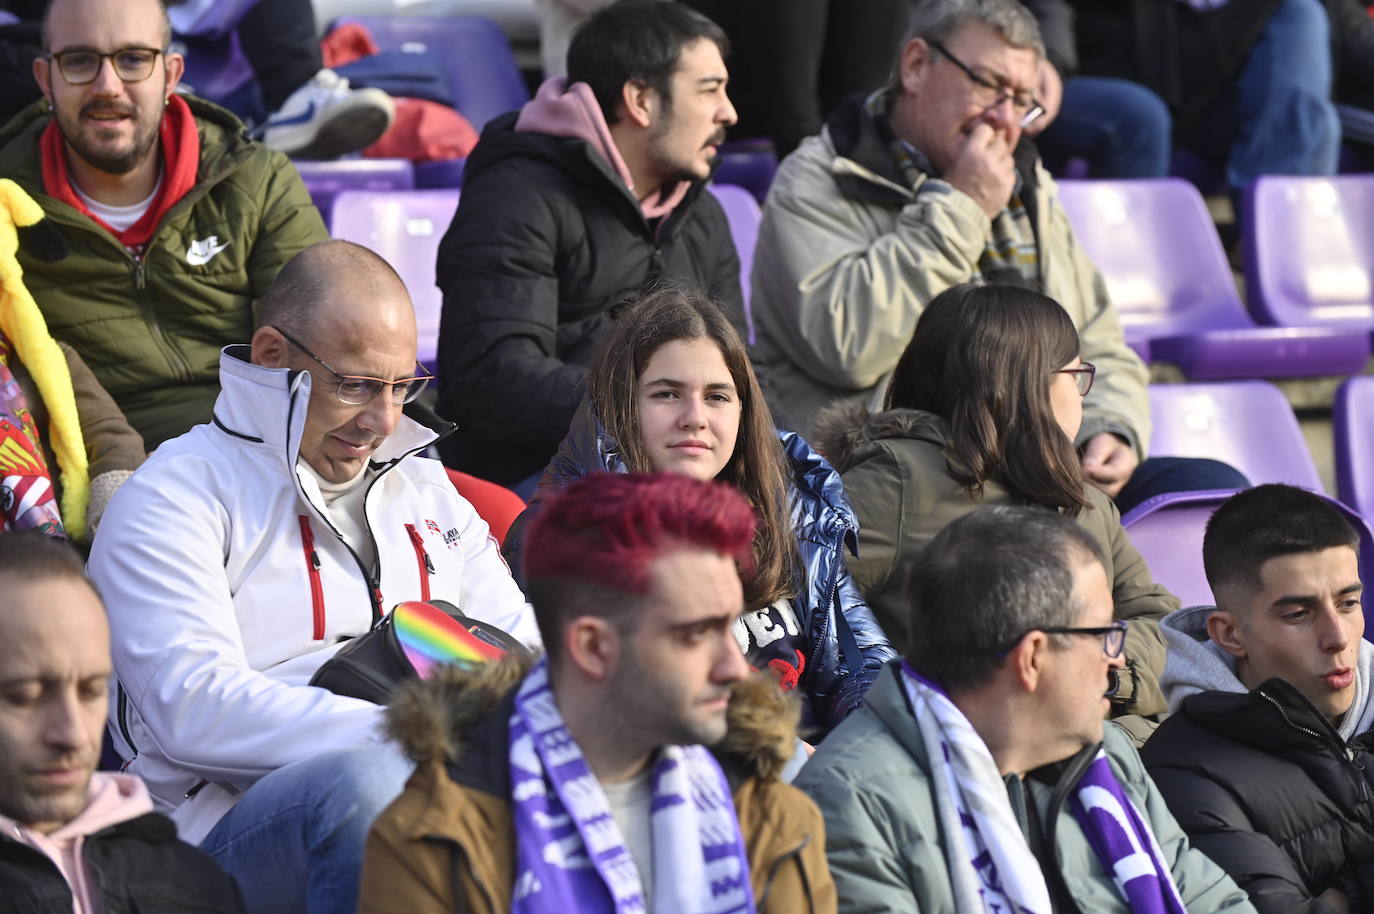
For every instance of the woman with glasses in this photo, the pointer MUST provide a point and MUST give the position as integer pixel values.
(671, 390)
(982, 409)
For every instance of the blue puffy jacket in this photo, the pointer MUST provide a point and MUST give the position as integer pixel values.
(847, 647)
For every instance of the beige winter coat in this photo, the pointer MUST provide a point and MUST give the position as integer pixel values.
(904, 489)
(848, 255)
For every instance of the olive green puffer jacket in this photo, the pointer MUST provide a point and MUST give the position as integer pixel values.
(152, 330)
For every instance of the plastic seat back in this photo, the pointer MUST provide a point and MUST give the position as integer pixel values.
(1248, 424)
(1309, 250)
(1158, 252)
(744, 215)
(1168, 530)
(404, 227)
(495, 504)
(1352, 427)
(327, 179)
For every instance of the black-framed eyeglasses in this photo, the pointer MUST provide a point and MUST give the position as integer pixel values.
(1113, 636)
(1083, 376)
(132, 65)
(355, 390)
(990, 94)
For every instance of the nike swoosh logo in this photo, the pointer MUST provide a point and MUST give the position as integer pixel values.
(289, 121)
(201, 252)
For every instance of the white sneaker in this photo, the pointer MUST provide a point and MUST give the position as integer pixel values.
(325, 119)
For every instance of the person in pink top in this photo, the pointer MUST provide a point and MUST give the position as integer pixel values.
(73, 839)
(585, 198)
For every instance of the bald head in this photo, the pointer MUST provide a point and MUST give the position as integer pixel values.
(345, 286)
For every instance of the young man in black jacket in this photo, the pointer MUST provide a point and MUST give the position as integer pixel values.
(588, 195)
(72, 838)
(1266, 758)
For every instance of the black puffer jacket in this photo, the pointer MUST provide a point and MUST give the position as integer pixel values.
(1266, 787)
(142, 868)
(546, 240)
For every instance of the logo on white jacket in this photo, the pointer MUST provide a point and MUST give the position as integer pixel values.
(200, 252)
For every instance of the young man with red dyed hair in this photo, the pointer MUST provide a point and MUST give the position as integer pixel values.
(583, 783)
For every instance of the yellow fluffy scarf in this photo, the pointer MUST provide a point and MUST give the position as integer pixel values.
(24, 326)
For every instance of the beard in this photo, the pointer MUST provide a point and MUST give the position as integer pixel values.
(111, 158)
(657, 709)
(673, 167)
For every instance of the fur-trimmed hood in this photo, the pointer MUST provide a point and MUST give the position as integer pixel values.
(433, 719)
(841, 432)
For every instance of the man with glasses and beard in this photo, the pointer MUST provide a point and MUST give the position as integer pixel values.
(925, 184)
(236, 560)
(578, 202)
(979, 775)
(176, 220)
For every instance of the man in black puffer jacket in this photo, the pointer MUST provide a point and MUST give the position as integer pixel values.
(1266, 760)
(592, 192)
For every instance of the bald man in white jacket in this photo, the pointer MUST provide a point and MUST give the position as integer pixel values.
(239, 558)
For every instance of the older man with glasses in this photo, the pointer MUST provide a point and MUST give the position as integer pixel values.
(979, 776)
(176, 221)
(241, 555)
(925, 184)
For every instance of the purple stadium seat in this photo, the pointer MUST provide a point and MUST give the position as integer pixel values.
(404, 227)
(1309, 250)
(1247, 424)
(1352, 426)
(749, 163)
(1166, 272)
(1168, 530)
(482, 72)
(744, 214)
(327, 179)
(440, 173)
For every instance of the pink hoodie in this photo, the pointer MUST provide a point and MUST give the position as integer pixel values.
(112, 798)
(562, 110)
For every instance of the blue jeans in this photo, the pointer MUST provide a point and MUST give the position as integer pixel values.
(1122, 128)
(295, 840)
(1157, 475)
(1278, 117)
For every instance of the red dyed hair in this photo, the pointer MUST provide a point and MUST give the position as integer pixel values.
(591, 547)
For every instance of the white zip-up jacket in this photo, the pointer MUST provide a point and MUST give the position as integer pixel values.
(227, 586)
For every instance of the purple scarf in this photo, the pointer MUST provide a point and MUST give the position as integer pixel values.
(570, 856)
(1124, 842)
(991, 868)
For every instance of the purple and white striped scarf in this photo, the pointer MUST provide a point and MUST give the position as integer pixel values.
(1123, 841)
(570, 856)
(991, 868)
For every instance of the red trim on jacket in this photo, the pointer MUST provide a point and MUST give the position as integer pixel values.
(180, 160)
(312, 569)
(422, 559)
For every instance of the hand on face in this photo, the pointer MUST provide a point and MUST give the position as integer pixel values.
(1108, 462)
(983, 168)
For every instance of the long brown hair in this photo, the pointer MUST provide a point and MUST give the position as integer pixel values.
(756, 468)
(983, 358)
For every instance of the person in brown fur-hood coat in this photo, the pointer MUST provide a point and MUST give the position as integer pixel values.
(447, 844)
